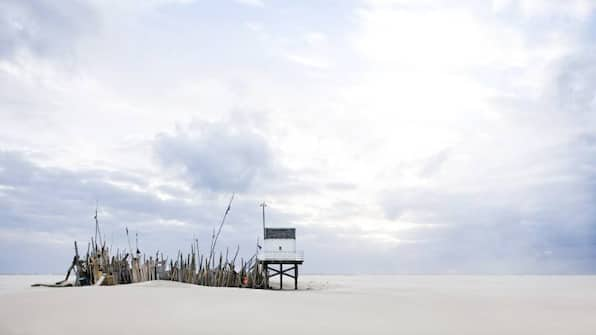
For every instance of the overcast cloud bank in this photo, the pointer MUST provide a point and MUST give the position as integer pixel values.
(398, 136)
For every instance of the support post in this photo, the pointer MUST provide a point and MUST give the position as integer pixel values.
(295, 276)
(281, 277)
(266, 276)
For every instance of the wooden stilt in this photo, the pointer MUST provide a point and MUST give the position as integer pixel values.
(296, 276)
(281, 276)
(266, 275)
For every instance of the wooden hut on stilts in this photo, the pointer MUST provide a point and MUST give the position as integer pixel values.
(279, 249)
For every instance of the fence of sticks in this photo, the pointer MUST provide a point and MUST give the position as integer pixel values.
(100, 267)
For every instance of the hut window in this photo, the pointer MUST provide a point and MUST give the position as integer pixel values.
(280, 233)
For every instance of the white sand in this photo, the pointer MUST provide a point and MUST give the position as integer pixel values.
(325, 305)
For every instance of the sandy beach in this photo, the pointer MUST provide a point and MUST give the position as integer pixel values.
(323, 305)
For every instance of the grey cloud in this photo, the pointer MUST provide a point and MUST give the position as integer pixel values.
(507, 247)
(341, 186)
(433, 164)
(587, 139)
(60, 202)
(40, 195)
(574, 89)
(535, 214)
(42, 202)
(39, 203)
(543, 225)
(467, 249)
(217, 157)
(44, 27)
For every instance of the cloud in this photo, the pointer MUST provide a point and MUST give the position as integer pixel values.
(410, 136)
(48, 207)
(252, 3)
(54, 200)
(315, 38)
(433, 164)
(308, 61)
(44, 27)
(525, 208)
(574, 88)
(578, 9)
(217, 157)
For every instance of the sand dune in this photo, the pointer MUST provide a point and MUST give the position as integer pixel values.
(323, 305)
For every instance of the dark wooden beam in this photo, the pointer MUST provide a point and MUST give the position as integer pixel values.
(285, 272)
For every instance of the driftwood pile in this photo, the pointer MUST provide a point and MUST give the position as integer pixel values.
(200, 270)
(99, 267)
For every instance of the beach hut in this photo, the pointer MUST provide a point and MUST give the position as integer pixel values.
(279, 249)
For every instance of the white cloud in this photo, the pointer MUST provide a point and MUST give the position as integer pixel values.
(315, 38)
(254, 3)
(307, 61)
(578, 9)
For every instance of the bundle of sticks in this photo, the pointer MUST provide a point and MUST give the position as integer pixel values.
(98, 267)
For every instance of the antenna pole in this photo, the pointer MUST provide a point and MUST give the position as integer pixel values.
(263, 205)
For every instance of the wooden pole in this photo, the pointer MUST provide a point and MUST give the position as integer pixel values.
(223, 220)
(266, 265)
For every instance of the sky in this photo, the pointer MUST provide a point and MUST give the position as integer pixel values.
(396, 136)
